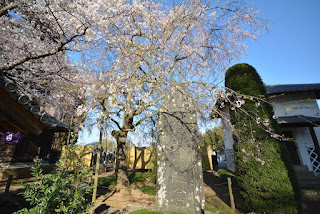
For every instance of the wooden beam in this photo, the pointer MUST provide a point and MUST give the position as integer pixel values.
(315, 141)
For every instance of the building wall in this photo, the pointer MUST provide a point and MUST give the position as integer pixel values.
(304, 141)
(299, 104)
(295, 104)
(6, 152)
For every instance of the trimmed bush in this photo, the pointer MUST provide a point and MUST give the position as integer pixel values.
(263, 170)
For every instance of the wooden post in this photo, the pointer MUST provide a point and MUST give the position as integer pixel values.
(233, 206)
(8, 183)
(96, 174)
(210, 157)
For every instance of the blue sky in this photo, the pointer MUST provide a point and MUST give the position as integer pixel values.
(288, 53)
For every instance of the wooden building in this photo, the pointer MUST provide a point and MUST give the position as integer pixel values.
(19, 114)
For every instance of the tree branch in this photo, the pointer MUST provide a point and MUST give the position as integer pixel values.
(4, 10)
(116, 122)
(144, 118)
(28, 58)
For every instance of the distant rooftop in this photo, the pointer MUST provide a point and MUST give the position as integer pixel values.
(280, 89)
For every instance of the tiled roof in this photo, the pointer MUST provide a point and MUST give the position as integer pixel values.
(48, 120)
(298, 121)
(279, 89)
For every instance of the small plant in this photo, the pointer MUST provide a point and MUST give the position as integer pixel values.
(62, 192)
(210, 208)
(109, 181)
(138, 177)
(145, 211)
(226, 174)
(153, 174)
(227, 210)
(149, 190)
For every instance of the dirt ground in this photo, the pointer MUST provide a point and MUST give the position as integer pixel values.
(215, 189)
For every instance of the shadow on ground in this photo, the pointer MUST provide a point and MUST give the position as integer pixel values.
(12, 202)
(220, 186)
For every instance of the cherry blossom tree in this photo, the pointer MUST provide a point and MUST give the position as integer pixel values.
(139, 50)
(129, 54)
(35, 38)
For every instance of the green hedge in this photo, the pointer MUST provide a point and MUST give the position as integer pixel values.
(263, 170)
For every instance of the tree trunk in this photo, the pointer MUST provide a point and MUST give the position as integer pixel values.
(96, 174)
(121, 169)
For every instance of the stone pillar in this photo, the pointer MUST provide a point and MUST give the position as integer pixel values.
(180, 176)
(228, 137)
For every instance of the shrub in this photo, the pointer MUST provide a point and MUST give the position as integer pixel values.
(210, 208)
(109, 181)
(149, 190)
(62, 192)
(263, 170)
(153, 175)
(138, 177)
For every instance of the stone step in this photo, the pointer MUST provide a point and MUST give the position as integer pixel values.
(310, 195)
(308, 179)
(307, 173)
(303, 172)
(300, 168)
(310, 185)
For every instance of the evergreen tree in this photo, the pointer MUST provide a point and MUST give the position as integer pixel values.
(214, 138)
(264, 172)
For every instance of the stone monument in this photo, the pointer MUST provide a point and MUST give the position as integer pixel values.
(180, 180)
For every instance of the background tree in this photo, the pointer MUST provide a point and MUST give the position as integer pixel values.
(108, 144)
(263, 170)
(214, 138)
